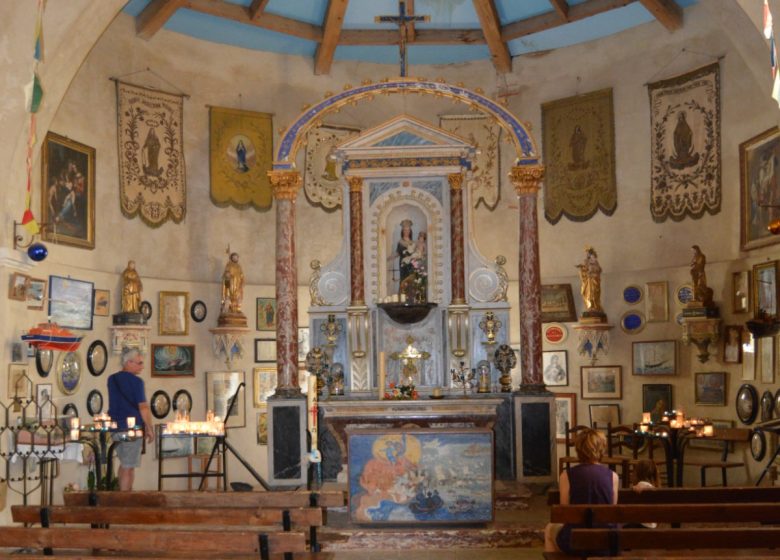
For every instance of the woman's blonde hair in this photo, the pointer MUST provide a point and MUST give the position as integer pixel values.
(590, 445)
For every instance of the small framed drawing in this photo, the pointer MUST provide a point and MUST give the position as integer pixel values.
(765, 288)
(102, 303)
(601, 415)
(43, 399)
(657, 399)
(36, 293)
(266, 314)
(17, 286)
(654, 357)
(565, 411)
(173, 310)
(173, 360)
(555, 368)
(740, 291)
(263, 385)
(220, 388)
(758, 158)
(765, 359)
(657, 303)
(557, 303)
(265, 350)
(303, 343)
(19, 383)
(732, 344)
(70, 302)
(710, 388)
(601, 382)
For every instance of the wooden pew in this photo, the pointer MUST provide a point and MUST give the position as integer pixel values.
(764, 512)
(207, 499)
(733, 495)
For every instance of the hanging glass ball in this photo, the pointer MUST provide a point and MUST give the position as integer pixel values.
(37, 252)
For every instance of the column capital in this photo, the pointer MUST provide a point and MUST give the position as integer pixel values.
(285, 183)
(456, 181)
(355, 184)
(526, 178)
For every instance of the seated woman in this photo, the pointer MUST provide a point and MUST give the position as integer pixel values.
(589, 482)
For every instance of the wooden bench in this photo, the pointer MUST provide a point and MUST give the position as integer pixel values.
(207, 499)
(733, 495)
(728, 437)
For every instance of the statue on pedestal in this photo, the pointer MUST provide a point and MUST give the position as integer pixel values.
(131, 297)
(702, 294)
(590, 277)
(232, 294)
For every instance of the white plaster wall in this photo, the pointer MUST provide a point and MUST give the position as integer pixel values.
(190, 256)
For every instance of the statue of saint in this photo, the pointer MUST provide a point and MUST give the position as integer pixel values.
(590, 277)
(701, 293)
(232, 286)
(131, 289)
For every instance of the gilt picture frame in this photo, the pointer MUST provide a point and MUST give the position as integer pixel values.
(741, 291)
(173, 360)
(766, 288)
(557, 304)
(759, 160)
(601, 382)
(174, 309)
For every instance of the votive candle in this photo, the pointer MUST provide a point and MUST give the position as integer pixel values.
(709, 430)
(646, 419)
(131, 421)
(382, 375)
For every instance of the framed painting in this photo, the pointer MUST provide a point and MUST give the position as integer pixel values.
(765, 289)
(265, 350)
(657, 302)
(602, 415)
(565, 411)
(221, 386)
(601, 382)
(173, 360)
(759, 188)
(102, 303)
(70, 302)
(654, 357)
(749, 357)
(19, 383)
(732, 344)
(710, 388)
(266, 314)
(657, 399)
(765, 359)
(303, 343)
(557, 304)
(740, 291)
(43, 398)
(382, 462)
(262, 427)
(68, 192)
(18, 286)
(36, 293)
(555, 368)
(263, 384)
(174, 313)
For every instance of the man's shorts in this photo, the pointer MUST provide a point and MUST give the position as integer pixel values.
(129, 453)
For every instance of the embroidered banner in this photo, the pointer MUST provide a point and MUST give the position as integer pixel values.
(685, 145)
(483, 133)
(240, 157)
(322, 176)
(578, 142)
(152, 180)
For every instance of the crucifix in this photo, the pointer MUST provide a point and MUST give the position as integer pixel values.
(402, 20)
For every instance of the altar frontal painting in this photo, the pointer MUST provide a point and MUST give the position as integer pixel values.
(421, 476)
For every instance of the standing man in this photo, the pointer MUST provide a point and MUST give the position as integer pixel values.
(126, 397)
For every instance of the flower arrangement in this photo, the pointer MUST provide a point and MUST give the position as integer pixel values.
(401, 392)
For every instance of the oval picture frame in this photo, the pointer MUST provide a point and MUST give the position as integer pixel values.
(97, 358)
(70, 409)
(182, 400)
(160, 404)
(632, 322)
(69, 372)
(633, 294)
(767, 406)
(94, 402)
(198, 311)
(146, 309)
(758, 445)
(44, 360)
(747, 403)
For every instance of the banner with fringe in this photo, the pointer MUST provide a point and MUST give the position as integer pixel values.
(322, 177)
(152, 177)
(685, 145)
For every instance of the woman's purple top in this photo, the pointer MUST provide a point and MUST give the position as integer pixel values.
(588, 484)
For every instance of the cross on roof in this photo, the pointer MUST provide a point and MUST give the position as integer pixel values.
(402, 20)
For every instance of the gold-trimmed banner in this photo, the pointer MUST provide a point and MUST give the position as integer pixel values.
(240, 157)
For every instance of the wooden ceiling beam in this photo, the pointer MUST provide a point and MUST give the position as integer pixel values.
(257, 8)
(549, 20)
(562, 7)
(272, 22)
(422, 37)
(667, 12)
(491, 28)
(154, 16)
(334, 21)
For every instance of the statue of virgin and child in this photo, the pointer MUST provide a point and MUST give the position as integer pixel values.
(412, 257)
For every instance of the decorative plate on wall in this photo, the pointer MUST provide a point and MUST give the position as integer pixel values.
(160, 404)
(44, 359)
(684, 294)
(97, 358)
(554, 333)
(69, 370)
(632, 294)
(758, 445)
(198, 311)
(94, 402)
(632, 322)
(747, 403)
(182, 400)
(146, 309)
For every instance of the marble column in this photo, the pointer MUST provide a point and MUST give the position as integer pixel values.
(457, 268)
(356, 279)
(285, 185)
(526, 179)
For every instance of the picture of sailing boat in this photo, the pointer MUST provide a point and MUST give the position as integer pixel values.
(657, 357)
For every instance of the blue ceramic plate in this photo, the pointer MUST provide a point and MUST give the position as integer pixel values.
(632, 294)
(684, 294)
(632, 322)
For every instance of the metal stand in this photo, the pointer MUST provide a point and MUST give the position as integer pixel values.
(772, 426)
(226, 446)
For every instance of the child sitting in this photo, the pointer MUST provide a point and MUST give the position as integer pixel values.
(645, 476)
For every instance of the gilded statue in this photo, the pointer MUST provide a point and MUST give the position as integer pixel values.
(131, 289)
(701, 293)
(590, 277)
(232, 286)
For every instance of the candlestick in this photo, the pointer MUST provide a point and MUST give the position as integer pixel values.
(382, 374)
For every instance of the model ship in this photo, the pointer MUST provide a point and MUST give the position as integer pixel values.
(50, 336)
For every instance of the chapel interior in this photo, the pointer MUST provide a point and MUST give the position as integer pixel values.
(449, 153)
